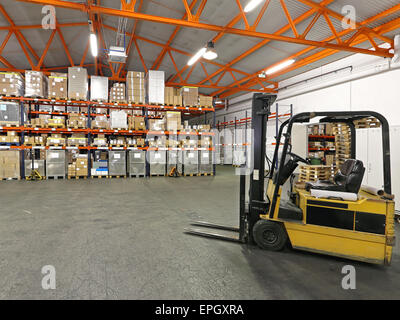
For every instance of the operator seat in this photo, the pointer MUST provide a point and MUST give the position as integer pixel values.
(347, 179)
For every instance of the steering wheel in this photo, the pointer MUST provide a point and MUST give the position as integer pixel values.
(296, 158)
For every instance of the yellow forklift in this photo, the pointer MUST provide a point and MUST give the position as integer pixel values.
(334, 217)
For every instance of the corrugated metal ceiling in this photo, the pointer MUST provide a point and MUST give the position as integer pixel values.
(219, 12)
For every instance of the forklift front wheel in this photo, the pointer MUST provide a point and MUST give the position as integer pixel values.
(269, 235)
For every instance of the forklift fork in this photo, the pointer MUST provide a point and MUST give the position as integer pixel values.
(241, 231)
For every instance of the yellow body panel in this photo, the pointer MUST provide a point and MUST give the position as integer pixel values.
(351, 244)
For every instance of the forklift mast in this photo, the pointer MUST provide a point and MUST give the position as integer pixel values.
(261, 109)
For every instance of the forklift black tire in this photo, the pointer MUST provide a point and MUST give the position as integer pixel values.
(269, 235)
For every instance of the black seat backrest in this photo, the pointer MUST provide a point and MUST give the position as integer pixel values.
(350, 175)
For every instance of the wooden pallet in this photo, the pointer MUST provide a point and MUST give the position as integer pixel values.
(156, 104)
(191, 174)
(158, 175)
(77, 177)
(114, 101)
(34, 145)
(205, 174)
(117, 145)
(77, 145)
(56, 126)
(55, 177)
(64, 99)
(9, 95)
(134, 146)
(99, 177)
(116, 177)
(9, 124)
(137, 176)
(10, 179)
(76, 127)
(136, 102)
(55, 145)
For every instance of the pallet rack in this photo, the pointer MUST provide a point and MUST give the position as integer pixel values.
(90, 105)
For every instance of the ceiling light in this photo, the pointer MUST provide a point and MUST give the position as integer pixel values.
(93, 44)
(251, 5)
(197, 56)
(281, 66)
(210, 54)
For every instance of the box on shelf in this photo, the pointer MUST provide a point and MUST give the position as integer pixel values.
(157, 141)
(205, 101)
(76, 121)
(10, 114)
(117, 142)
(9, 164)
(135, 87)
(58, 86)
(100, 122)
(77, 83)
(11, 84)
(12, 137)
(118, 120)
(203, 128)
(35, 84)
(155, 84)
(77, 139)
(173, 120)
(55, 139)
(56, 123)
(172, 96)
(117, 93)
(190, 96)
(100, 141)
(39, 122)
(99, 88)
(135, 141)
(156, 124)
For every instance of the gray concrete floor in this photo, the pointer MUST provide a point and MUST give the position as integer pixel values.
(123, 239)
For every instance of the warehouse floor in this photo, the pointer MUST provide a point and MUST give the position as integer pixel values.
(123, 239)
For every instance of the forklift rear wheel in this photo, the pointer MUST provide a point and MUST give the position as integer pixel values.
(269, 235)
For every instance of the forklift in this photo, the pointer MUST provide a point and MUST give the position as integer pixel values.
(344, 222)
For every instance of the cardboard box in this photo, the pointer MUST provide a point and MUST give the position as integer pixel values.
(156, 124)
(35, 84)
(139, 123)
(205, 101)
(9, 164)
(58, 87)
(135, 87)
(117, 93)
(11, 84)
(77, 83)
(118, 120)
(99, 88)
(190, 96)
(100, 122)
(155, 84)
(173, 120)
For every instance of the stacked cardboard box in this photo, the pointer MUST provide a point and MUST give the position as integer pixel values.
(77, 139)
(76, 121)
(100, 122)
(137, 123)
(72, 169)
(157, 141)
(118, 120)
(135, 87)
(172, 96)
(117, 142)
(156, 124)
(135, 142)
(9, 113)
(12, 137)
(203, 128)
(58, 86)
(205, 101)
(100, 141)
(82, 165)
(117, 93)
(9, 165)
(39, 122)
(35, 140)
(173, 120)
(11, 84)
(190, 96)
(55, 139)
(77, 83)
(99, 89)
(155, 84)
(35, 84)
(56, 123)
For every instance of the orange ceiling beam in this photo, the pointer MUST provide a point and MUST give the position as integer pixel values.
(301, 18)
(388, 27)
(204, 26)
(161, 56)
